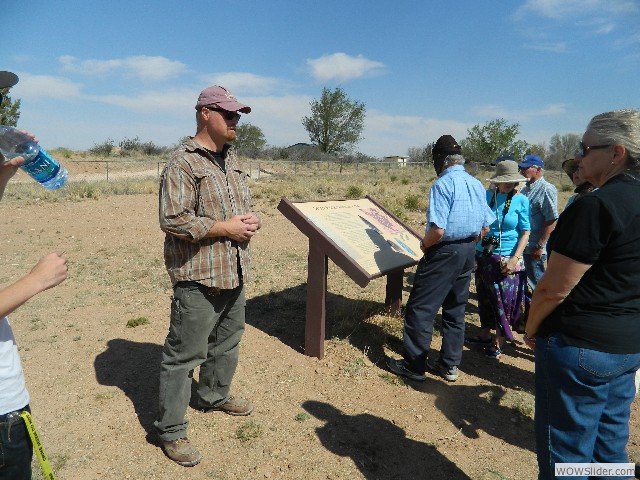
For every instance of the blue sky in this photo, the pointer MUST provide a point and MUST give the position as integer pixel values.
(91, 70)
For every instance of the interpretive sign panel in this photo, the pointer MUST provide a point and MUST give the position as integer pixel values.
(360, 236)
(365, 232)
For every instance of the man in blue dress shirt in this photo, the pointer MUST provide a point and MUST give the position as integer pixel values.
(457, 214)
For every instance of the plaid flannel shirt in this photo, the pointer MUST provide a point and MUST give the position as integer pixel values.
(195, 193)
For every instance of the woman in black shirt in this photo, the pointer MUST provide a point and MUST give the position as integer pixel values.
(584, 321)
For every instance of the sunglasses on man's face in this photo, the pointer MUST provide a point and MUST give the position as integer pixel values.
(226, 114)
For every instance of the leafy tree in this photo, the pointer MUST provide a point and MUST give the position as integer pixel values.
(249, 140)
(561, 147)
(336, 122)
(487, 142)
(539, 149)
(9, 110)
(420, 154)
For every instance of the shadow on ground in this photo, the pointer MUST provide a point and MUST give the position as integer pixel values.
(379, 449)
(282, 315)
(481, 408)
(134, 368)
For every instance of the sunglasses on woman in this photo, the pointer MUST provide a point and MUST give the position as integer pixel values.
(583, 150)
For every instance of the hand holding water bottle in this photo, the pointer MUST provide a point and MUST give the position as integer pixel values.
(37, 162)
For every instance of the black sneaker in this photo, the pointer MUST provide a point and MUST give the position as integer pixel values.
(399, 367)
(450, 374)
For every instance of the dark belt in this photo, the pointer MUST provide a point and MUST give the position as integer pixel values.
(454, 242)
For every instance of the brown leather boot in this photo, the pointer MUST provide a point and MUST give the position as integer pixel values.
(182, 452)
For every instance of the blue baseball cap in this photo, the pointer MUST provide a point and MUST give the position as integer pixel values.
(531, 161)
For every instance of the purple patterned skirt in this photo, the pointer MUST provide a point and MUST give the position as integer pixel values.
(502, 299)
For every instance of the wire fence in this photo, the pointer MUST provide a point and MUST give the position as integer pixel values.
(110, 170)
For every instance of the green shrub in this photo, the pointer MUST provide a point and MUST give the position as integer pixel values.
(248, 431)
(412, 202)
(301, 417)
(135, 322)
(103, 149)
(354, 191)
(129, 146)
(150, 148)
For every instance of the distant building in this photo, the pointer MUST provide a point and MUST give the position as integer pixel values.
(402, 160)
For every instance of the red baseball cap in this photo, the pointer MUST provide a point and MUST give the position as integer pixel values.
(220, 97)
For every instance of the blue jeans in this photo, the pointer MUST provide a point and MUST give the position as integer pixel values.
(16, 449)
(442, 279)
(535, 269)
(582, 405)
(205, 330)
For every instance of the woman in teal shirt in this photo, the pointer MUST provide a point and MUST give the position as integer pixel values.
(500, 275)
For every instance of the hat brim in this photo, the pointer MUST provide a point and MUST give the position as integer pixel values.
(8, 79)
(508, 179)
(230, 105)
(234, 106)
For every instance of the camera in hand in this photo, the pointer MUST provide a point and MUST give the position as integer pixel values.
(489, 244)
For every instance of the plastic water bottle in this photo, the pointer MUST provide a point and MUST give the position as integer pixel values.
(37, 162)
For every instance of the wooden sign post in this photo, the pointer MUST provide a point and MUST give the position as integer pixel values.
(360, 236)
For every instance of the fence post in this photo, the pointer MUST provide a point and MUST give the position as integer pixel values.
(107, 171)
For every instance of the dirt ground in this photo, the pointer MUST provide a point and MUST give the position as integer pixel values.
(94, 380)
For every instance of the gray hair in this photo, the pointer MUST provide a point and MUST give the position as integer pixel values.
(451, 160)
(619, 127)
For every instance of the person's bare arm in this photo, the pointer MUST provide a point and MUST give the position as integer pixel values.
(433, 236)
(48, 272)
(544, 238)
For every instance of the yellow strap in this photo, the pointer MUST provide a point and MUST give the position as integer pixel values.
(37, 444)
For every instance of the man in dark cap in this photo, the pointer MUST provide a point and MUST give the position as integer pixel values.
(206, 211)
(16, 449)
(458, 213)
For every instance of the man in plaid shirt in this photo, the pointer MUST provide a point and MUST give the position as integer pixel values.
(206, 212)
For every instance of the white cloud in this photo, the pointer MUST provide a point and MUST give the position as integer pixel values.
(341, 67)
(393, 134)
(141, 67)
(630, 40)
(32, 86)
(560, 47)
(247, 83)
(559, 9)
(279, 117)
(170, 100)
(605, 28)
(498, 111)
